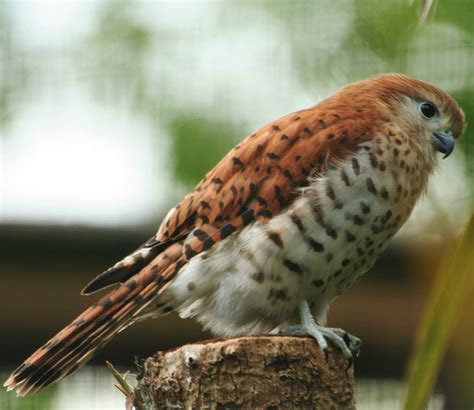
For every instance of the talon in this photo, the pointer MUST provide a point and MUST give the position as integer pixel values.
(349, 345)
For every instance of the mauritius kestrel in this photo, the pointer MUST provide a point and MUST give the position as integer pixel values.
(283, 224)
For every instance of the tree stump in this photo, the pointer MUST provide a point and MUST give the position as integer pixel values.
(277, 372)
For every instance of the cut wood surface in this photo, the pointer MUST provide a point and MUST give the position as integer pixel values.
(276, 372)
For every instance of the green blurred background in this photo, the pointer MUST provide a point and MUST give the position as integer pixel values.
(110, 111)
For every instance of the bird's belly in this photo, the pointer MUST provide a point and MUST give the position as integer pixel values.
(319, 246)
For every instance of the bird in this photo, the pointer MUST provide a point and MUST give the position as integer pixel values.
(287, 220)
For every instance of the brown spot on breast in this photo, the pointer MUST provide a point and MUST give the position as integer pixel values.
(258, 277)
(317, 283)
(278, 294)
(329, 192)
(375, 228)
(338, 204)
(373, 160)
(275, 238)
(297, 221)
(387, 216)
(344, 177)
(355, 166)
(349, 236)
(293, 266)
(315, 245)
(370, 186)
(331, 232)
(318, 214)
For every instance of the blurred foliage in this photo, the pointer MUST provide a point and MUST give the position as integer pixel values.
(201, 136)
(452, 286)
(465, 98)
(387, 28)
(458, 13)
(13, 73)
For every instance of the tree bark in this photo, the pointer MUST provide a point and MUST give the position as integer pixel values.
(276, 372)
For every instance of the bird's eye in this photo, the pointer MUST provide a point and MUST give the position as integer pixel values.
(428, 110)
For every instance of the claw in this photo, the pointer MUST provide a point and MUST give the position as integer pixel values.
(353, 343)
(348, 344)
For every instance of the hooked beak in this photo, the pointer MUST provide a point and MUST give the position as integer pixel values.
(443, 142)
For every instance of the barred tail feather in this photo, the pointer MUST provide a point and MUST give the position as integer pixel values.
(75, 345)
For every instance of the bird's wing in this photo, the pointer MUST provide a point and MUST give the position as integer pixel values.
(254, 181)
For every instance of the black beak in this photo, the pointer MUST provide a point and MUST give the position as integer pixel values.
(444, 143)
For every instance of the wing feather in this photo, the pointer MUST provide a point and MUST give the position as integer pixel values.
(256, 180)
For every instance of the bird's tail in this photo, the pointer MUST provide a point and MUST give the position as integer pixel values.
(74, 346)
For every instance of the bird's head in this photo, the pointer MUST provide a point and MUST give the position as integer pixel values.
(422, 111)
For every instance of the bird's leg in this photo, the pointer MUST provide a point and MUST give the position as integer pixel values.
(347, 343)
